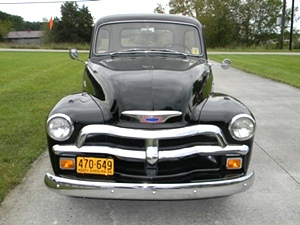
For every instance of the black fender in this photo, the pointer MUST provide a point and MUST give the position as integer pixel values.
(79, 107)
(222, 108)
(83, 109)
(219, 109)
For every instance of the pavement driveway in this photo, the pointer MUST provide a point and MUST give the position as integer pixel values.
(273, 199)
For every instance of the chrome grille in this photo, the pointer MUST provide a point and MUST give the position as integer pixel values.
(182, 154)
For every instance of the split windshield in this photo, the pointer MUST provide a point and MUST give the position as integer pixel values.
(148, 36)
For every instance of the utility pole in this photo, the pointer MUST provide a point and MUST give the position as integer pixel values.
(292, 25)
(282, 25)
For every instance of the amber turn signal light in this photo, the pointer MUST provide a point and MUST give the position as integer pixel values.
(234, 163)
(67, 163)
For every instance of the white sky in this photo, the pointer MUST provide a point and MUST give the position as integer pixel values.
(34, 12)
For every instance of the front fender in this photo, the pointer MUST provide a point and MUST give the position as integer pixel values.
(222, 108)
(79, 107)
(219, 109)
(83, 110)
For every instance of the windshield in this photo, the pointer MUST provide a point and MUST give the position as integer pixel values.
(148, 36)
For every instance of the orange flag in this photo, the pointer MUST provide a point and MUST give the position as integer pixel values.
(50, 23)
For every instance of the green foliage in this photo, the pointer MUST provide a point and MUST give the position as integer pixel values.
(75, 25)
(231, 23)
(159, 9)
(29, 94)
(18, 23)
(5, 27)
(296, 43)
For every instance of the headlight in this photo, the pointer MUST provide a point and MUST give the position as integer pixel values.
(242, 127)
(59, 127)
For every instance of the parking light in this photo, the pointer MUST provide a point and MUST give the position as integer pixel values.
(234, 163)
(67, 163)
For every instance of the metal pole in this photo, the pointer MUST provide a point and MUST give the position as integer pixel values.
(292, 25)
(282, 25)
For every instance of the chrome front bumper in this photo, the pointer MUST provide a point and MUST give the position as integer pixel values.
(140, 191)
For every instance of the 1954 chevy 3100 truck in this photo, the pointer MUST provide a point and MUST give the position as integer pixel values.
(147, 123)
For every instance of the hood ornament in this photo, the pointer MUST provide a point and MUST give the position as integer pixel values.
(152, 116)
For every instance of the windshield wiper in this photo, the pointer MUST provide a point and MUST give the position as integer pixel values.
(165, 50)
(127, 51)
(146, 51)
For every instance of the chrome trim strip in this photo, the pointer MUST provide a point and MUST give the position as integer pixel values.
(152, 153)
(109, 190)
(141, 155)
(209, 130)
(164, 114)
(120, 153)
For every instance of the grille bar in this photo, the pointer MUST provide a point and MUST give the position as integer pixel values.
(209, 130)
(141, 155)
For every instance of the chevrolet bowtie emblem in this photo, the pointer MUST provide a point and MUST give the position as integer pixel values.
(151, 116)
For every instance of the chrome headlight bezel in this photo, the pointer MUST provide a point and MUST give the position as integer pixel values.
(59, 121)
(242, 127)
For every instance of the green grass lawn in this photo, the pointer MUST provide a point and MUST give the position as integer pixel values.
(282, 68)
(33, 82)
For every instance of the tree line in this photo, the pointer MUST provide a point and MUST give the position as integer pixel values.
(232, 23)
(227, 23)
(10, 22)
(74, 26)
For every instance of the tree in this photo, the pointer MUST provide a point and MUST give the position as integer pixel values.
(217, 16)
(258, 20)
(231, 22)
(75, 25)
(159, 9)
(184, 7)
(5, 27)
(18, 23)
(220, 21)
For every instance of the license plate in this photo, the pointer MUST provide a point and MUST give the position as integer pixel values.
(90, 165)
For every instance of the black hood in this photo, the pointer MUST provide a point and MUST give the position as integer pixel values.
(146, 83)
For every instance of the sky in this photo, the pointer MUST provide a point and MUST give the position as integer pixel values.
(36, 12)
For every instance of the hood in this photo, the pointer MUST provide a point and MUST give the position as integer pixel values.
(147, 84)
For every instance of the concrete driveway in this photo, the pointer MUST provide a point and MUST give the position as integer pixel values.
(273, 199)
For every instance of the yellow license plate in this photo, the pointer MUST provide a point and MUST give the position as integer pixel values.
(90, 165)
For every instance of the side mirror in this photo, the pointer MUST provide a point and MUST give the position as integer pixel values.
(73, 53)
(226, 64)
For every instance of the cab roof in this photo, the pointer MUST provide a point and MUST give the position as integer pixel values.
(148, 17)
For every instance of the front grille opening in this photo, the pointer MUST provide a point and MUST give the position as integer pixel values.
(191, 163)
(175, 119)
(139, 144)
(112, 141)
(187, 142)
